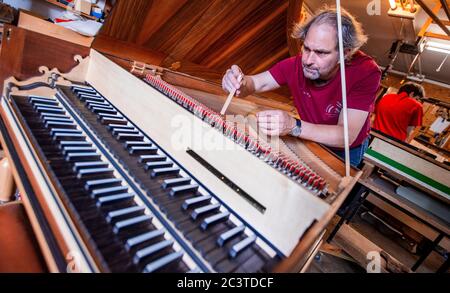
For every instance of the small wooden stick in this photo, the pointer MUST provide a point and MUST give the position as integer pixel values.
(230, 97)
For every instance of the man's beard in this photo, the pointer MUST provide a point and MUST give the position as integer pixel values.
(312, 74)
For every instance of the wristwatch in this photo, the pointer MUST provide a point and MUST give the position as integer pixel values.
(297, 130)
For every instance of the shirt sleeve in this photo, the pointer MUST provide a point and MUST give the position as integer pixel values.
(416, 117)
(362, 95)
(283, 70)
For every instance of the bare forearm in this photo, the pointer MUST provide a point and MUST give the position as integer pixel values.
(329, 135)
(410, 133)
(258, 83)
(248, 86)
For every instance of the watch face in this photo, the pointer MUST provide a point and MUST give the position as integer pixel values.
(296, 131)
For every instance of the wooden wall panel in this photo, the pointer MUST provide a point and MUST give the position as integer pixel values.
(127, 19)
(204, 35)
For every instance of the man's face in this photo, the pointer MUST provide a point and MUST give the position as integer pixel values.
(319, 54)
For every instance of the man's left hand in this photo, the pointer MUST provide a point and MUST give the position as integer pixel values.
(275, 122)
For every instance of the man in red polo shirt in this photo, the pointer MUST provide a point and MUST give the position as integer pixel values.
(398, 114)
(315, 84)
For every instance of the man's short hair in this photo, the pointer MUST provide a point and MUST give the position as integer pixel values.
(412, 87)
(353, 36)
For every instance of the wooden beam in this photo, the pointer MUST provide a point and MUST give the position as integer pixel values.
(437, 36)
(433, 16)
(446, 9)
(429, 21)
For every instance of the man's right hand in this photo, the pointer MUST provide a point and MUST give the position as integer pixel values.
(234, 80)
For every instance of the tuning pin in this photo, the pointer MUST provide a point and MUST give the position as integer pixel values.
(311, 180)
(322, 184)
(306, 177)
(239, 137)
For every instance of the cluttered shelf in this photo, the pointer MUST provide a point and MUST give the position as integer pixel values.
(64, 6)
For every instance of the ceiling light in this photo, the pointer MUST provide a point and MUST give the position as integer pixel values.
(403, 9)
(392, 4)
(438, 47)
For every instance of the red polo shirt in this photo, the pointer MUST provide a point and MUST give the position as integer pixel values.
(323, 105)
(395, 113)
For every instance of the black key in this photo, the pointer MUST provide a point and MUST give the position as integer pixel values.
(133, 242)
(106, 120)
(241, 246)
(129, 131)
(57, 119)
(183, 189)
(160, 263)
(198, 212)
(56, 130)
(173, 182)
(67, 150)
(215, 219)
(195, 201)
(151, 158)
(60, 124)
(136, 150)
(82, 157)
(49, 110)
(41, 100)
(43, 115)
(88, 100)
(165, 171)
(63, 144)
(94, 172)
(102, 183)
(78, 89)
(117, 214)
(108, 191)
(101, 110)
(130, 223)
(130, 136)
(119, 126)
(105, 115)
(230, 234)
(152, 249)
(60, 116)
(88, 94)
(88, 165)
(54, 107)
(129, 144)
(104, 104)
(156, 165)
(91, 98)
(111, 199)
(68, 136)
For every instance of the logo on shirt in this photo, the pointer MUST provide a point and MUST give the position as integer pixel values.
(333, 110)
(306, 94)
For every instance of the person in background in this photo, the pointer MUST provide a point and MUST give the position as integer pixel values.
(397, 115)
